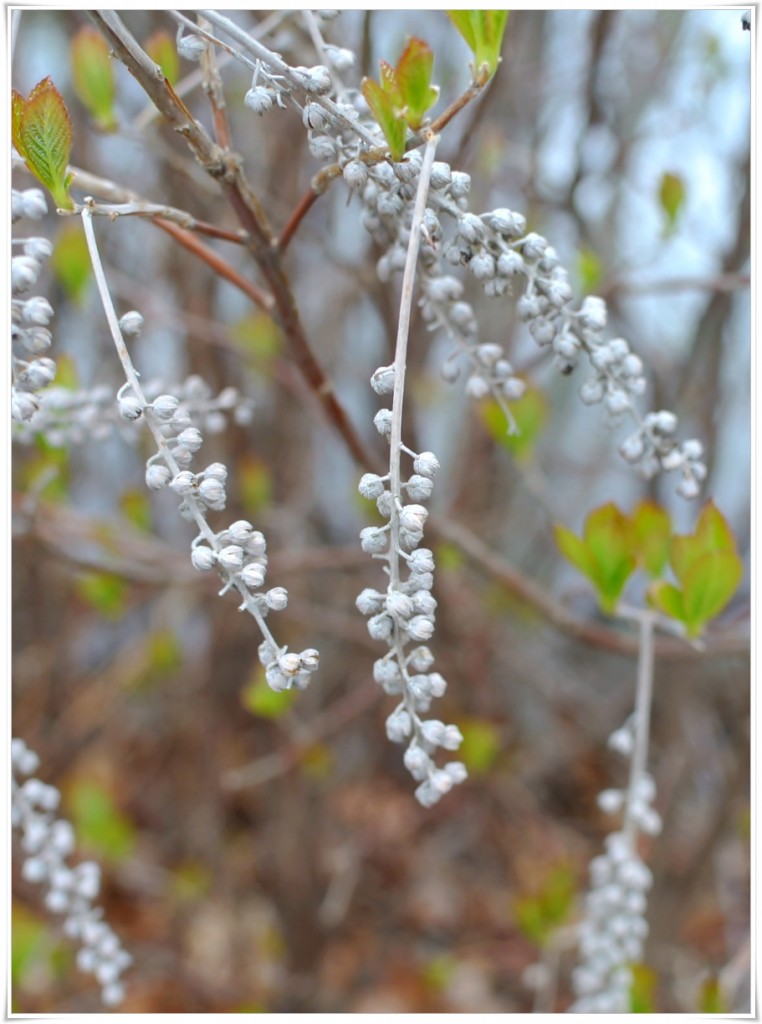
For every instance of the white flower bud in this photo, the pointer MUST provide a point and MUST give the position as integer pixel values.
(130, 408)
(33, 203)
(373, 540)
(371, 486)
(477, 387)
(611, 800)
(665, 422)
(426, 464)
(689, 487)
(191, 47)
(212, 493)
(203, 558)
(460, 184)
(24, 273)
(240, 531)
(38, 248)
(216, 471)
(190, 438)
(310, 660)
(164, 407)
(380, 626)
(23, 406)
(277, 598)
(355, 175)
(383, 422)
(369, 602)
(399, 605)
(37, 311)
(420, 628)
(419, 488)
(382, 380)
(253, 574)
(417, 762)
(398, 726)
(231, 557)
(131, 323)
(632, 448)
(258, 99)
(413, 518)
(289, 664)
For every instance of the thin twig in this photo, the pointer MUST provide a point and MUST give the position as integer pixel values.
(218, 265)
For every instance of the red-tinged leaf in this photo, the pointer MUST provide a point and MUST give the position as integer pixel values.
(388, 80)
(708, 586)
(17, 116)
(383, 108)
(44, 129)
(651, 534)
(160, 47)
(93, 76)
(666, 598)
(413, 76)
(712, 534)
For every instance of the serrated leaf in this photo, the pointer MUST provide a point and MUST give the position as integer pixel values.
(651, 532)
(708, 586)
(666, 598)
(483, 31)
(413, 78)
(384, 108)
(671, 198)
(42, 135)
(93, 76)
(160, 47)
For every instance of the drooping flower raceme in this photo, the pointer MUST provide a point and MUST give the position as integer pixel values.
(614, 928)
(31, 371)
(46, 843)
(403, 615)
(237, 553)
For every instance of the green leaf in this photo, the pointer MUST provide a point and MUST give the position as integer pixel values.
(539, 914)
(70, 261)
(589, 269)
(608, 536)
(671, 198)
(99, 823)
(413, 79)
(160, 47)
(642, 989)
(711, 999)
(530, 413)
(666, 598)
(651, 533)
(93, 76)
(137, 509)
(385, 110)
(255, 484)
(41, 130)
(481, 745)
(103, 592)
(714, 530)
(260, 700)
(483, 31)
(576, 552)
(708, 586)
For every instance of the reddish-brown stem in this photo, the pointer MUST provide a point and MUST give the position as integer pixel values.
(220, 266)
(303, 207)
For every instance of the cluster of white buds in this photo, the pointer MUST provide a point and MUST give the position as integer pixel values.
(613, 931)
(69, 416)
(47, 843)
(266, 89)
(31, 371)
(653, 445)
(404, 614)
(237, 553)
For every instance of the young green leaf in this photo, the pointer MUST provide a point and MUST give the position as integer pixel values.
(41, 130)
(671, 198)
(93, 76)
(604, 555)
(160, 47)
(413, 78)
(384, 108)
(483, 31)
(651, 532)
(708, 586)
(530, 413)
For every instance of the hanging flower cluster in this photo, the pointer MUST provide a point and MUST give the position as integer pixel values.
(46, 843)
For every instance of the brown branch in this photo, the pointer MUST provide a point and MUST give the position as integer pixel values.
(303, 207)
(219, 265)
